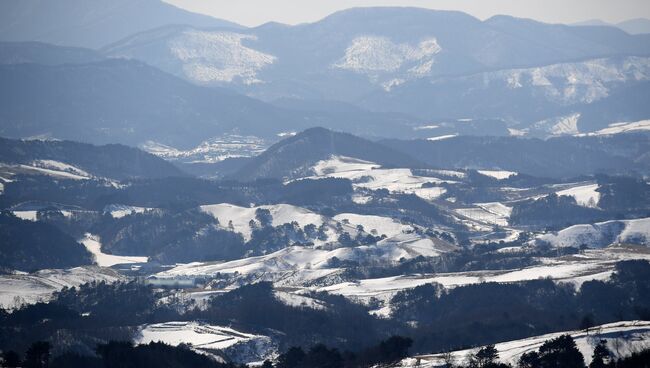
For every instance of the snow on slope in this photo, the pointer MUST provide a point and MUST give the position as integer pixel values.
(60, 166)
(365, 174)
(376, 225)
(442, 137)
(585, 195)
(617, 128)
(212, 150)
(601, 234)
(595, 264)
(92, 244)
(483, 215)
(296, 300)
(218, 56)
(305, 264)
(282, 214)
(497, 174)
(242, 347)
(24, 288)
(57, 173)
(623, 338)
(121, 210)
(371, 55)
(195, 333)
(570, 83)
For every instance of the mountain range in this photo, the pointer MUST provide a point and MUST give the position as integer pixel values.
(181, 79)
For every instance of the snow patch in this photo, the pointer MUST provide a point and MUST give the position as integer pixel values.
(219, 56)
(92, 244)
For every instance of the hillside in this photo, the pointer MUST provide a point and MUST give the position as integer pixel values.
(556, 157)
(110, 161)
(294, 156)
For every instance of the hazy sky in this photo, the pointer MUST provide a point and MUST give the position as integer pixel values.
(255, 12)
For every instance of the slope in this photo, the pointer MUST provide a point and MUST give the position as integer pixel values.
(294, 156)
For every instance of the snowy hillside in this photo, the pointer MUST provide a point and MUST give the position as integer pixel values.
(591, 265)
(210, 151)
(623, 338)
(580, 82)
(585, 195)
(302, 265)
(389, 63)
(28, 288)
(365, 174)
(201, 56)
(240, 217)
(601, 234)
(214, 340)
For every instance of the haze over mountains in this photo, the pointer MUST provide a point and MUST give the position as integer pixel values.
(400, 71)
(387, 185)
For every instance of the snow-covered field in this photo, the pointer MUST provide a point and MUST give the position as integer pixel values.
(298, 266)
(623, 338)
(28, 288)
(585, 195)
(365, 174)
(497, 174)
(195, 333)
(282, 214)
(483, 215)
(242, 347)
(591, 265)
(92, 244)
(601, 234)
(376, 225)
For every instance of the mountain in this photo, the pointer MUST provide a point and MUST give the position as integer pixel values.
(84, 160)
(91, 23)
(368, 48)
(556, 157)
(126, 101)
(294, 156)
(42, 53)
(434, 65)
(635, 26)
(521, 96)
(632, 26)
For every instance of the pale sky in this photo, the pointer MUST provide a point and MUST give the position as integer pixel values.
(256, 12)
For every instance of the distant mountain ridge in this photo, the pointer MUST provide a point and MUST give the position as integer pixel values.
(126, 101)
(46, 54)
(91, 24)
(412, 61)
(110, 161)
(631, 26)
